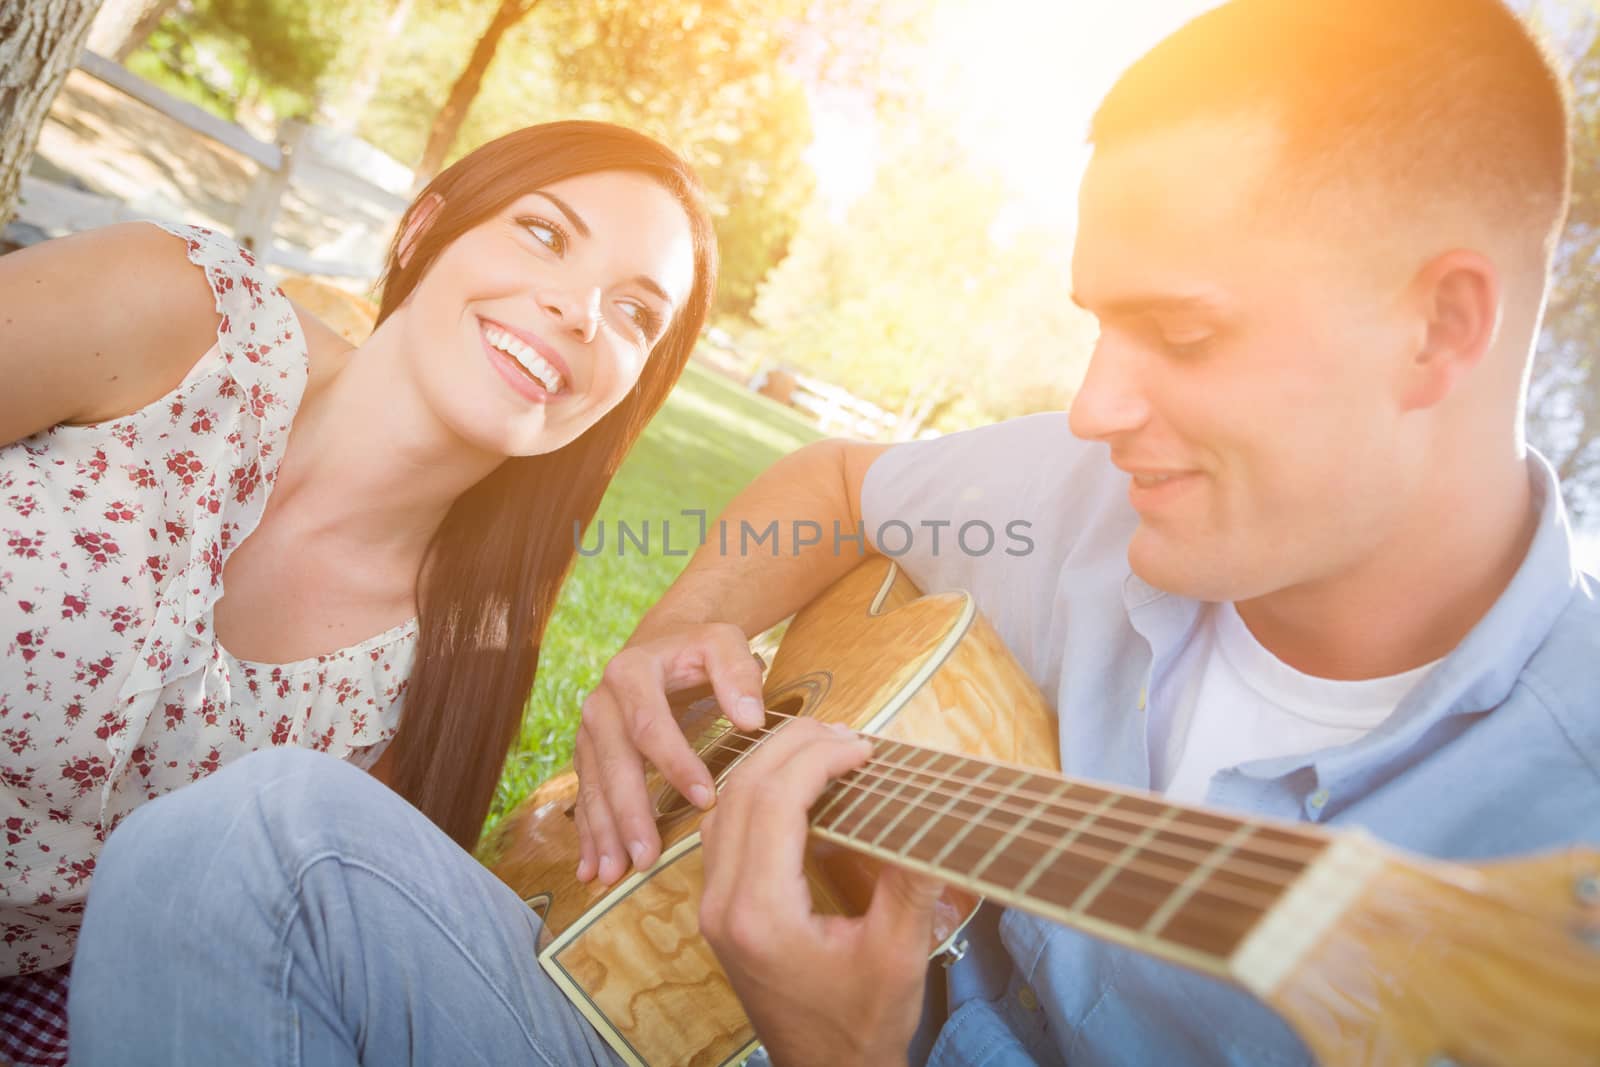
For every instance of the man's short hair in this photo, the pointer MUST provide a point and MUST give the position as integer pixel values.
(1427, 99)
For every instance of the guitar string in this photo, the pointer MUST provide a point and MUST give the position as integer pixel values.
(1165, 877)
(1195, 908)
(1208, 839)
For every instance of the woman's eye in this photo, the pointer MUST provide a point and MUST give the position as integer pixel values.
(546, 233)
(647, 321)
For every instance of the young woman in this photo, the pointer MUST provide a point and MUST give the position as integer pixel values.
(222, 528)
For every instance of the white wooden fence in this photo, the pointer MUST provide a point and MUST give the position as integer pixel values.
(307, 162)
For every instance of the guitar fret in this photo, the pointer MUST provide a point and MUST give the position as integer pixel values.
(884, 799)
(974, 821)
(1180, 896)
(1116, 867)
(1061, 789)
(1065, 843)
(945, 809)
(841, 788)
(908, 806)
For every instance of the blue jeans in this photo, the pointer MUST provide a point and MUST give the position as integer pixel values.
(289, 909)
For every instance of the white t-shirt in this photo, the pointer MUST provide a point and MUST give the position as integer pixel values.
(1227, 701)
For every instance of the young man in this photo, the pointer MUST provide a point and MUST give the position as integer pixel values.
(1291, 555)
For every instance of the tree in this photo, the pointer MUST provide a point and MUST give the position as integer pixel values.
(39, 43)
(123, 25)
(915, 300)
(447, 122)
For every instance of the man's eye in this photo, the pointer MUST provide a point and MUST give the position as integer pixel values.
(546, 233)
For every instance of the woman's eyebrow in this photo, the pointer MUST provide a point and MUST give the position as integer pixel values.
(566, 209)
(646, 282)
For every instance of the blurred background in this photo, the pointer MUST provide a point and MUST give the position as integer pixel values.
(893, 181)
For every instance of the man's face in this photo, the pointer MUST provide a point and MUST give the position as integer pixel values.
(1248, 370)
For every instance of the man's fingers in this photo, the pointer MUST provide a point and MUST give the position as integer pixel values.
(611, 788)
(771, 794)
(635, 683)
(735, 677)
(901, 912)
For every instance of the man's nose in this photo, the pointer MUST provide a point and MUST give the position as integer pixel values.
(1111, 400)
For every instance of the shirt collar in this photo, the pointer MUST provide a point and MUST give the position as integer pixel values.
(1476, 676)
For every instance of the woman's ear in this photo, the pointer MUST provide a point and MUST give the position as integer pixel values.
(417, 223)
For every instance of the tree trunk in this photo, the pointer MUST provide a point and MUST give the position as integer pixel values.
(344, 113)
(447, 124)
(39, 43)
(123, 25)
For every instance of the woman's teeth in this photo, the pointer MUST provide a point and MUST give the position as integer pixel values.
(530, 360)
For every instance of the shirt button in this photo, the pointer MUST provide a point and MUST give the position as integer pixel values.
(1319, 799)
(1027, 998)
(1142, 697)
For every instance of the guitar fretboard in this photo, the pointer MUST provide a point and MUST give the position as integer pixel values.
(1179, 882)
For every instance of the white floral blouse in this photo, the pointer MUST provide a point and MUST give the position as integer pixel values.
(113, 689)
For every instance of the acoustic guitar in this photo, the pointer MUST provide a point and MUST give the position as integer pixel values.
(1371, 955)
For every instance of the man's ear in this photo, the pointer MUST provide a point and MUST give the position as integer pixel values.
(417, 224)
(1458, 293)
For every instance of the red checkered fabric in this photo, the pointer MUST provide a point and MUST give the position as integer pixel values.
(33, 1018)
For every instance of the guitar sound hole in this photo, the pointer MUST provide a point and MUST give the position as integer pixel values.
(721, 746)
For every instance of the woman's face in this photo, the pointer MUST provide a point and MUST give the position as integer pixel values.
(533, 324)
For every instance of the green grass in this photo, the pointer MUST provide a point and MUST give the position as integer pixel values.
(709, 440)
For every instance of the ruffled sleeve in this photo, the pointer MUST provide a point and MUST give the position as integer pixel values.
(219, 479)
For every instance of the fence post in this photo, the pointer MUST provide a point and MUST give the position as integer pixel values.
(259, 212)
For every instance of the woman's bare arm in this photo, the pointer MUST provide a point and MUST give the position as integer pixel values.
(97, 325)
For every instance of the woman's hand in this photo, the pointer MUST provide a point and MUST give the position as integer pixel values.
(627, 722)
(819, 989)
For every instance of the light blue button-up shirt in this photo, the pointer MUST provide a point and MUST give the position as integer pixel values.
(1495, 753)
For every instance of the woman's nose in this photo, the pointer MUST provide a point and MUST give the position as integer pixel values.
(576, 312)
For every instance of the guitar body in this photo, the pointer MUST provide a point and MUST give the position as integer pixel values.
(872, 653)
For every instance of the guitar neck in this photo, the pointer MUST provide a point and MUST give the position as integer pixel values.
(1235, 897)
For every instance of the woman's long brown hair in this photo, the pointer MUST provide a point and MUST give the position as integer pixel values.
(497, 561)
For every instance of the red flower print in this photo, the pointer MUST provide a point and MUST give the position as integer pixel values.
(157, 567)
(323, 741)
(236, 727)
(99, 546)
(209, 711)
(142, 475)
(203, 421)
(176, 410)
(95, 671)
(84, 772)
(120, 512)
(74, 712)
(143, 759)
(17, 828)
(18, 778)
(126, 433)
(227, 389)
(174, 715)
(213, 559)
(95, 467)
(209, 765)
(211, 502)
(72, 606)
(22, 545)
(24, 504)
(244, 254)
(30, 642)
(110, 723)
(244, 481)
(280, 730)
(122, 617)
(74, 873)
(176, 531)
(186, 465)
(16, 739)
